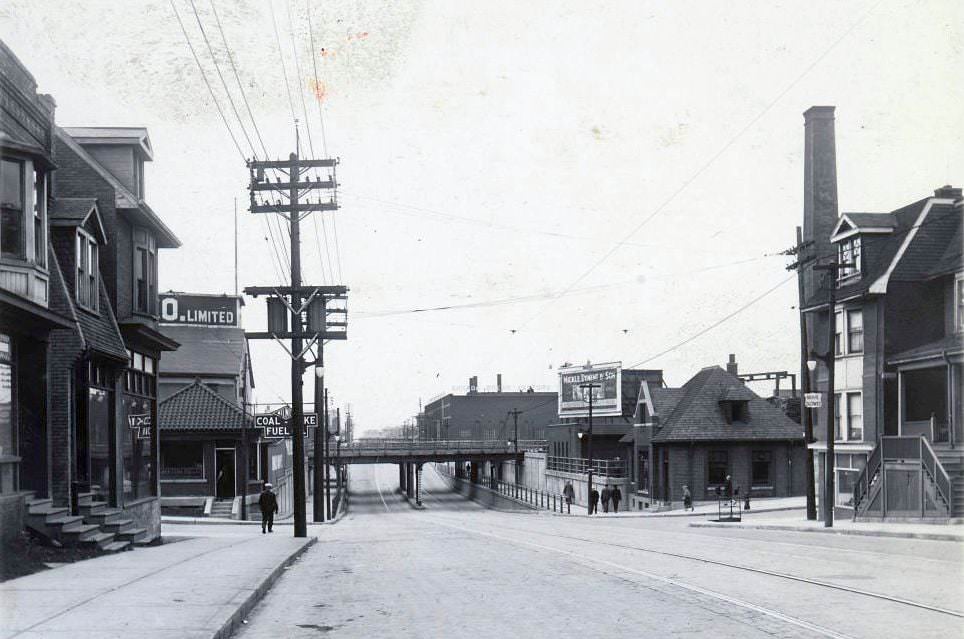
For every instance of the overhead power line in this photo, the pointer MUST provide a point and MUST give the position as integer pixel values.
(281, 57)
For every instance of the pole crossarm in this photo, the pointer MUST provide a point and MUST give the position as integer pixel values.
(331, 292)
(301, 186)
(297, 163)
(298, 208)
(325, 335)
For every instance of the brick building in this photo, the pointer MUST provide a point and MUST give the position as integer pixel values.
(898, 340)
(710, 428)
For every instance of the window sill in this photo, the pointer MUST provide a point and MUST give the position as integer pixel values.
(88, 310)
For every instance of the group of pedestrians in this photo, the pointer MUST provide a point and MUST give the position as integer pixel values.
(611, 495)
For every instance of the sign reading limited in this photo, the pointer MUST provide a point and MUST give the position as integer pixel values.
(199, 310)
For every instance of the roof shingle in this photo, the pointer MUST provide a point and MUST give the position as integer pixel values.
(197, 407)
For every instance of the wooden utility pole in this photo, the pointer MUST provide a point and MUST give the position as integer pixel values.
(805, 415)
(515, 421)
(290, 201)
(828, 358)
(589, 388)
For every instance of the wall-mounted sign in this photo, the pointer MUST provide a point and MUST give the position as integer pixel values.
(607, 395)
(812, 400)
(277, 424)
(140, 424)
(200, 310)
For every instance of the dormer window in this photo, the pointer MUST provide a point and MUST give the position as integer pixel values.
(848, 257)
(87, 290)
(735, 410)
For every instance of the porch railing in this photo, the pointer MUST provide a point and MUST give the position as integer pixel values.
(580, 466)
(904, 449)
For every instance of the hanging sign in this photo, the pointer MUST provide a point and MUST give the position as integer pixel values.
(277, 424)
(140, 424)
(813, 400)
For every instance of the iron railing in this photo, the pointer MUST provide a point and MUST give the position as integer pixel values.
(534, 497)
(580, 465)
(901, 449)
(373, 446)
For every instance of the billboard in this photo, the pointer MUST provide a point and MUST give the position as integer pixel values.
(199, 310)
(607, 398)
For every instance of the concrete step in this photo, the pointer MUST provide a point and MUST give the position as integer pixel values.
(77, 535)
(104, 516)
(58, 524)
(92, 508)
(85, 498)
(131, 534)
(115, 546)
(145, 541)
(97, 539)
(117, 526)
(47, 511)
(34, 502)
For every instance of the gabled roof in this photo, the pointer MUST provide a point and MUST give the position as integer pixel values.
(853, 223)
(204, 351)
(197, 407)
(124, 199)
(135, 136)
(923, 232)
(76, 211)
(698, 415)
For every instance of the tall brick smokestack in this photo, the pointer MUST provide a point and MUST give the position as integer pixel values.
(819, 186)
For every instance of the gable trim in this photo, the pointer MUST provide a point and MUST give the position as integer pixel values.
(879, 287)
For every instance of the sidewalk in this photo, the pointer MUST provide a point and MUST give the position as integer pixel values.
(935, 532)
(193, 589)
(286, 520)
(700, 509)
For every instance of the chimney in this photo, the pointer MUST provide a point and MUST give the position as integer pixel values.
(819, 187)
(948, 191)
(473, 384)
(731, 366)
(498, 383)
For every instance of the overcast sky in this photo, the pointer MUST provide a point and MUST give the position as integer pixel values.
(613, 175)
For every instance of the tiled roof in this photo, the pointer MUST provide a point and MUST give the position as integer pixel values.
(665, 400)
(952, 260)
(872, 219)
(930, 244)
(738, 394)
(75, 209)
(698, 415)
(204, 350)
(197, 407)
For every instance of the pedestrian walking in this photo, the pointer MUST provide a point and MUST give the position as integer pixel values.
(687, 498)
(268, 503)
(606, 495)
(616, 496)
(593, 501)
(569, 493)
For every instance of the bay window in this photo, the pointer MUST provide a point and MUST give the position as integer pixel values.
(12, 205)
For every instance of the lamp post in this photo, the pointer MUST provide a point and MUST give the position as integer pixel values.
(589, 388)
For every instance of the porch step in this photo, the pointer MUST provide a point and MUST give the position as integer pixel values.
(145, 541)
(58, 524)
(84, 499)
(92, 508)
(117, 526)
(105, 516)
(98, 539)
(77, 535)
(116, 546)
(46, 511)
(131, 534)
(37, 503)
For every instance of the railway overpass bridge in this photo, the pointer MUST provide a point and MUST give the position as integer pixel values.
(410, 454)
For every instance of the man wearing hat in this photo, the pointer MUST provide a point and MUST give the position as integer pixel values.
(269, 506)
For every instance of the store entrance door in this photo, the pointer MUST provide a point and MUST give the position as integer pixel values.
(224, 464)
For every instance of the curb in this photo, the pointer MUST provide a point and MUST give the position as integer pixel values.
(894, 534)
(670, 515)
(237, 617)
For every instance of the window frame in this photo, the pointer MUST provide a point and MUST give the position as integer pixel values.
(769, 466)
(851, 333)
(710, 462)
(849, 250)
(87, 251)
(144, 257)
(959, 303)
(859, 403)
(21, 212)
(39, 217)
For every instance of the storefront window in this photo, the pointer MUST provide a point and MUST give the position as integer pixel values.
(137, 446)
(182, 460)
(761, 468)
(717, 468)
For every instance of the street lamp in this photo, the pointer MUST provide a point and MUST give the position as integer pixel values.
(590, 391)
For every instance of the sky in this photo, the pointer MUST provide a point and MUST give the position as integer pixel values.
(581, 181)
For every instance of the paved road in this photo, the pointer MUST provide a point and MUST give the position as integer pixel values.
(457, 569)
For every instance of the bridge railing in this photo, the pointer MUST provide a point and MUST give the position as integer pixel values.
(580, 465)
(372, 445)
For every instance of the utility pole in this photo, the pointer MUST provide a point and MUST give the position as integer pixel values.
(827, 358)
(326, 467)
(805, 415)
(317, 484)
(304, 306)
(590, 387)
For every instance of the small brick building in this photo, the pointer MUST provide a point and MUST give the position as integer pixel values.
(710, 428)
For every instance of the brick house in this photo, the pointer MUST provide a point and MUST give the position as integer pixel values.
(28, 280)
(898, 320)
(710, 428)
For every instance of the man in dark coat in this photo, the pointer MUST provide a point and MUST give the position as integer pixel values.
(268, 503)
(606, 494)
(569, 493)
(593, 501)
(615, 495)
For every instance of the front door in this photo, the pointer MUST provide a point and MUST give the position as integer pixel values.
(224, 464)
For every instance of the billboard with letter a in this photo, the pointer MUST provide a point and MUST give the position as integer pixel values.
(607, 395)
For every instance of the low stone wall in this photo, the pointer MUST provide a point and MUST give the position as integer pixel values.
(146, 514)
(483, 496)
(11, 515)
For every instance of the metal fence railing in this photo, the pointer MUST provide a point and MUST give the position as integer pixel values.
(901, 450)
(374, 446)
(615, 468)
(534, 497)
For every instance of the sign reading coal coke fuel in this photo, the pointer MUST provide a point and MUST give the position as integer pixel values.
(606, 393)
(199, 310)
(277, 424)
